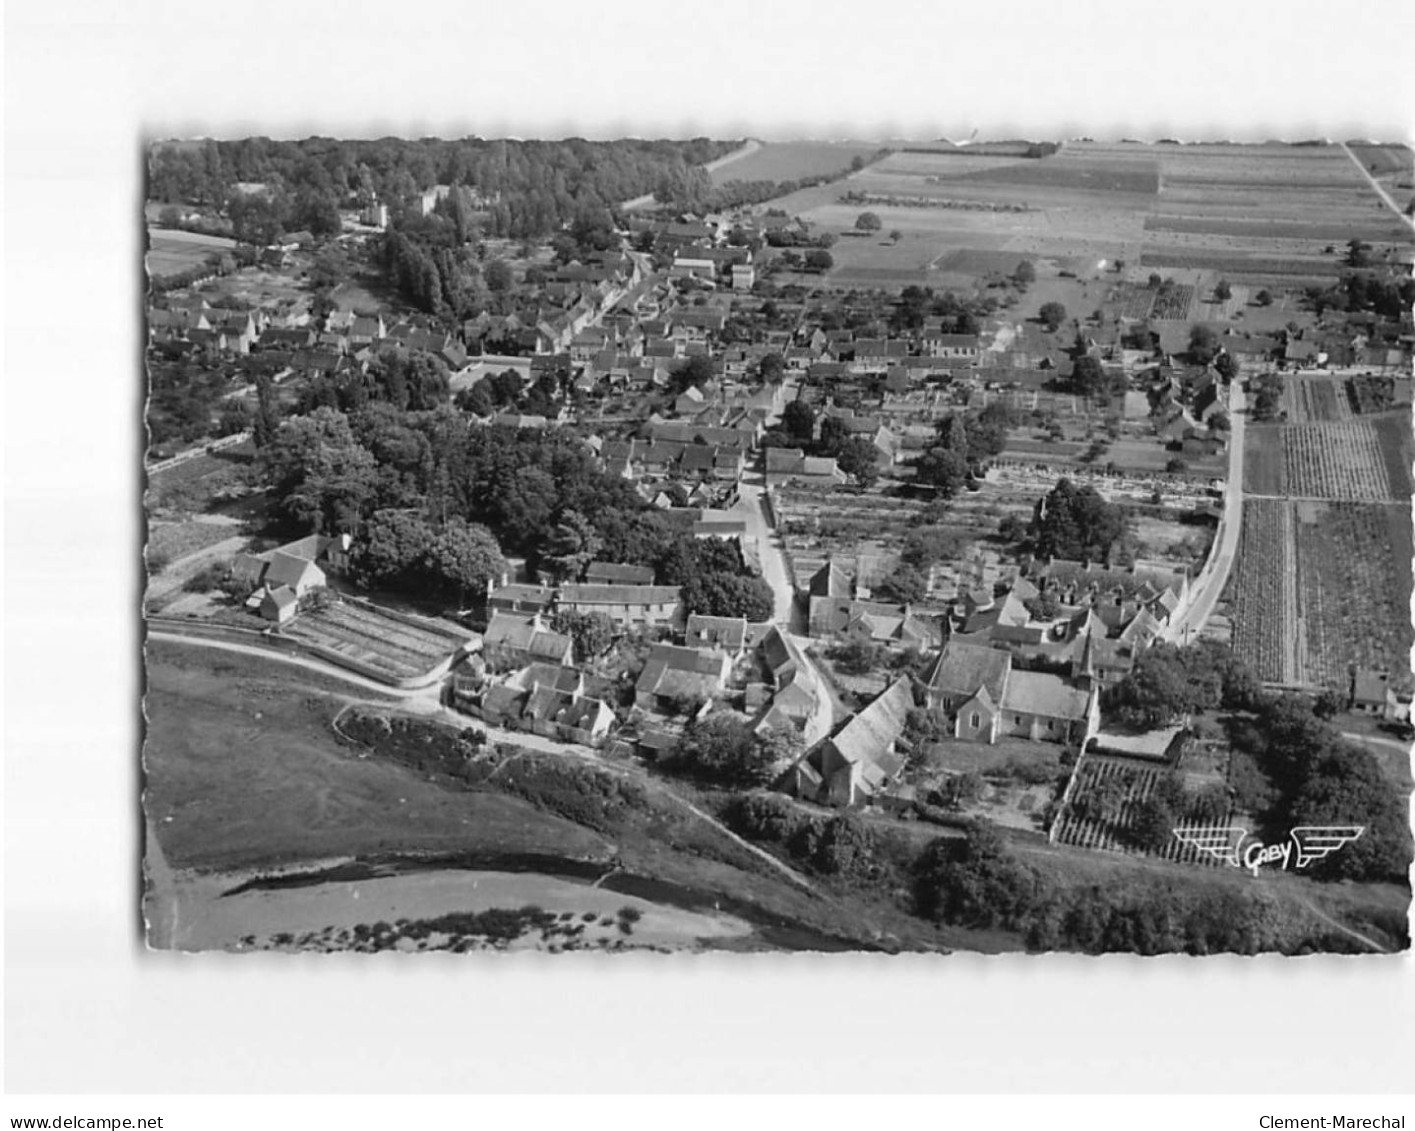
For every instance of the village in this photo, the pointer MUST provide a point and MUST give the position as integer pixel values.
(879, 476)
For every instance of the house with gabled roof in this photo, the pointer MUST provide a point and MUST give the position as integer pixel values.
(977, 690)
(673, 675)
(860, 761)
(527, 638)
(626, 605)
(729, 634)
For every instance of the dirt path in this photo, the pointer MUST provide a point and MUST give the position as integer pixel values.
(1408, 221)
(330, 670)
(1342, 927)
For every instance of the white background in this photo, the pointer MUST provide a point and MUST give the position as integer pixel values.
(88, 1010)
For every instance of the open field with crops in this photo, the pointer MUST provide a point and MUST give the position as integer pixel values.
(793, 160)
(1319, 400)
(1252, 213)
(172, 252)
(1335, 461)
(1353, 566)
(1321, 586)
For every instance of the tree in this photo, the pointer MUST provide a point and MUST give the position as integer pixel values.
(943, 469)
(319, 473)
(858, 458)
(476, 400)
(1358, 253)
(819, 261)
(498, 276)
(1052, 314)
(570, 546)
(723, 594)
(1223, 292)
(868, 222)
(722, 749)
(906, 585)
(974, 882)
(461, 558)
(798, 419)
(1203, 345)
(772, 368)
(1227, 366)
(1076, 523)
(834, 432)
(895, 235)
(1263, 297)
(592, 633)
(858, 657)
(696, 371)
(1025, 275)
(1088, 377)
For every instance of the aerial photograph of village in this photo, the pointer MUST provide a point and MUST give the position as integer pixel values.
(895, 546)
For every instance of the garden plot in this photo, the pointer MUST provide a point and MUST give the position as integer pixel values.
(371, 639)
(1104, 804)
(1353, 570)
(1336, 461)
(1262, 600)
(1319, 400)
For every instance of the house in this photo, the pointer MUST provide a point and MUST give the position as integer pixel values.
(626, 605)
(792, 465)
(526, 638)
(279, 604)
(744, 276)
(293, 564)
(726, 633)
(566, 716)
(1372, 694)
(859, 762)
(676, 675)
(795, 696)
(518, 598)
(975, 688)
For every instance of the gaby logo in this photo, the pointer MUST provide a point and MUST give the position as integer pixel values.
(1305, 844)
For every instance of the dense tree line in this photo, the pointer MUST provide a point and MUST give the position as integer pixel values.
(965, 442)
(401, 478)
(1075, 523)
(1169, 682)
(529, 188)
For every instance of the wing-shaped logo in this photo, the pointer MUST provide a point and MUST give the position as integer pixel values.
(1315, 842)
(1217, 840)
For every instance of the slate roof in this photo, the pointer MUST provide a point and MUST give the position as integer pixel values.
(962, 669)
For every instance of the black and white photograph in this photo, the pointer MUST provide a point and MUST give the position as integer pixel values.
(851, 564)
(984, 544)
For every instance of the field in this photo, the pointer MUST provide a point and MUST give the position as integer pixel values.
(1359, 459)
(1319, 400)
(243, 770)
(1321, 586)
(172, 252)
(1353, 567)
(367, 637)
(1383, 160)
(793, 161)
(1252, 213)
(1262, 592)
(1335, 461)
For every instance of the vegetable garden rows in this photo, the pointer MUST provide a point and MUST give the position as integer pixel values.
(1336, 461)
(1355, 593)
(1317, 400)
(1256, 590)
(1106, 832)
